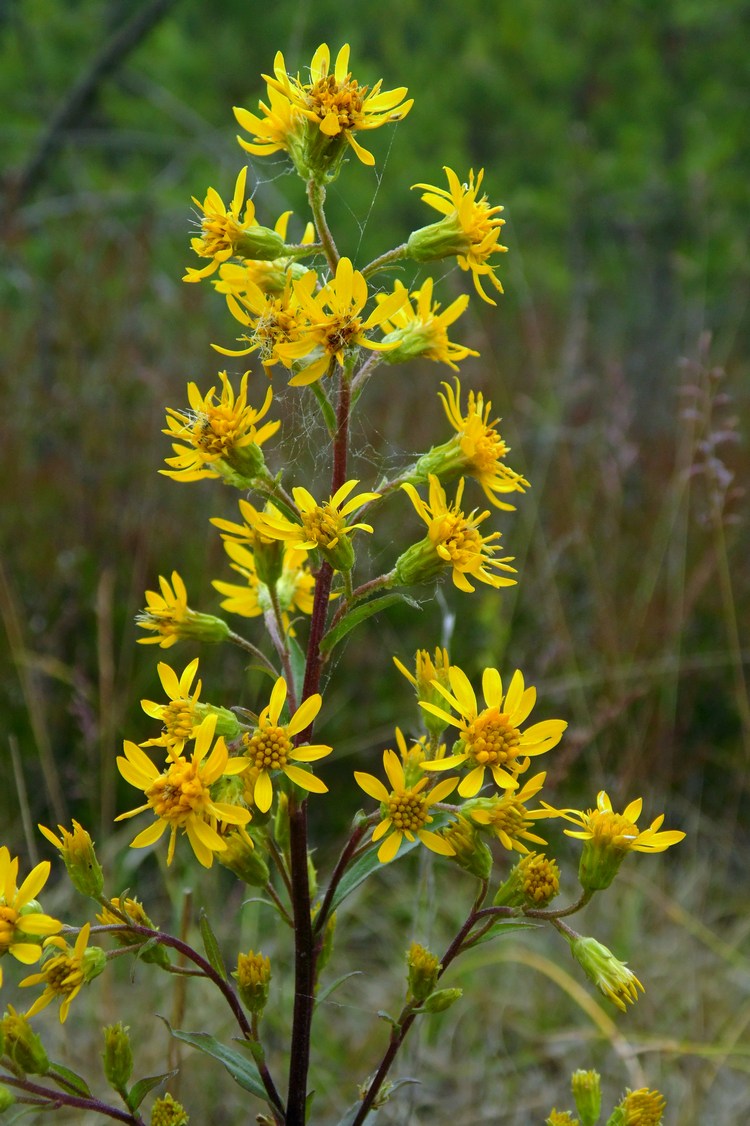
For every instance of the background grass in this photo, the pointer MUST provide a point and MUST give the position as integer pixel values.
(618, 360)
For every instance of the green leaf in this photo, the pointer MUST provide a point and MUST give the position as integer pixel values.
(329, 989)
(139, 1090)
(298, 661)
(352, 1113)
(211, 946)
(362, 868)
(502, 927)
(360, 614)
(329, 415)
(242, 1070)
(69, 1080)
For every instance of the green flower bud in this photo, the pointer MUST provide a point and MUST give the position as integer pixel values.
(166, 1111)
(642, 1108)
(611, 977)
(77, 851)
(22, 1045)
(471, 853)
(443, 239)
(424, 968)
(587, 1092)
(420, 563)
(118, 1056)
(441, 1000)
(7, 1098)
(246, 861)
(253, 975)
(155, 955)
(534, 882)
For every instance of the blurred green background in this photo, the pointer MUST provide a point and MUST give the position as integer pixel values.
(615, 135)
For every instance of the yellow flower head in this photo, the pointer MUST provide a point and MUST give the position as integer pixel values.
(22, 924)
(335, 323)
(180, 795)
(470, 229)
(404, 810)
(453, 540)
(65, 974)
(166, 1111)
(314, 121)
(476, 450)
(270, 747)
(276, 320)
(491, 738)
(77, 851)
(168, 615)
(222, 438)
(183, 715)
(253, 976)
(609, 836)
(322, 527)
(506, 815)
(561, 1118)
(419, 329)
(295, 585)
(225, 232)
(643, 1107)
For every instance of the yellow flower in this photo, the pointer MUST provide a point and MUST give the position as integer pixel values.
(22, 924)
(452, 540)
(276, 319)
(295, 586)
(226, 233)
(491, 738)
(561, 1118)
(181, 717)
(65, 974)
(534, 882)
(476, 450)
(271, 747)
(223, 438)
(166, 1111)
(470, 229)
(506, 815)
(170, 618)
(404, 810)
(620, 830)
(313, 121)
(419, 329)
(334, 322)
(609, 836)
(323, 526)
(180, 796)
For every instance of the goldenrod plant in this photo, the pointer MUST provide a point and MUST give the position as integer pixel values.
(227, 784)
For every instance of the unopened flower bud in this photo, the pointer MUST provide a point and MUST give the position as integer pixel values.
(166, 1111)
(441, 1000)
(609, 975)
(587, 1092)
(22, 1045)
(77, 851)
(427, 671)
(534, 882)
(471, 853)
(118, 1056)
(424, 968)
(561, 1118)
(7, 1098)
(253, 975)
(157, 954)
(244, 859)
(443, 239)
(642, 1107)
(420, 563)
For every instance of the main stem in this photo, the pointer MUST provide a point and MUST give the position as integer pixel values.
(304, 940)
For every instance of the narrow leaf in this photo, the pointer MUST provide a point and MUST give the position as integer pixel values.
(243, 1071)
(361, 869)
(329, 989)
(360, 614)
(139, 1090)
(69, 1080)
(211, 946)
(502, 927)
(298, 661)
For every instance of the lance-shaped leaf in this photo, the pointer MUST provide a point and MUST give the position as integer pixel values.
(243, 1070)
(211, 946)
(360, 614)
